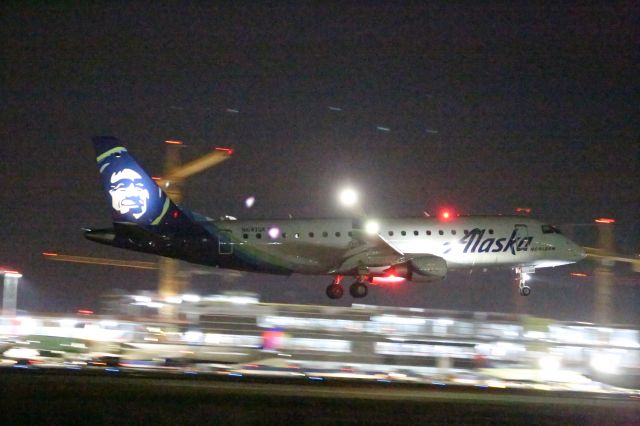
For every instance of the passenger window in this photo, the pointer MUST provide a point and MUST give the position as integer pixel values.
(325, 234)
(453, 232)
(441, 232)
(258, 236)
(296, 235)
(311, 234)
(284, 235)
(491, 231)
(245, 236)
(403, 233)
(415, 233)
(391, 233)
(428, 232)
(337, 234)
(350, 234)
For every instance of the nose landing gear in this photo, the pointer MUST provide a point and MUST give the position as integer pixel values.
(522, 276)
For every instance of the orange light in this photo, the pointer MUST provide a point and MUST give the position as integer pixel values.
(48, 253)
(173, 142)
(605, 220)
(229, 151)
(523, 210)
(85, 312)
(579, 274)
(156, 178)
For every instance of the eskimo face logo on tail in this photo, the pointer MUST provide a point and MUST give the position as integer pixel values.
(128, 193)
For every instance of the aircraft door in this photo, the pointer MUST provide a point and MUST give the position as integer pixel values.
(522, 230)
(225, 245)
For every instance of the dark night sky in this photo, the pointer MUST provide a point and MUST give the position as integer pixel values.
(533, 105)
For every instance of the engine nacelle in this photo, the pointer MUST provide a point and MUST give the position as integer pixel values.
(428, 268)
(422, 269)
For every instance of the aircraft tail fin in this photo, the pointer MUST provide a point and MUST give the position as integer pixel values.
(135, 197)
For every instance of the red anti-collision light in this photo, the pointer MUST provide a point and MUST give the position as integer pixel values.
(390, 279)
(446, 214)
(229, 151)
(173, 142)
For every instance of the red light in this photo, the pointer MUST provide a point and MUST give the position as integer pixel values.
(579, 274)
(523, 211)
(229, 151)
(48, 253)
(156, 178)
(446, 214)
(175, 214)
(390, 279)
(605, 220)
(85, 312)
(173, 142)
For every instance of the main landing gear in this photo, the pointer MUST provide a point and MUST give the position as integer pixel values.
(358, 289)
(522, 276)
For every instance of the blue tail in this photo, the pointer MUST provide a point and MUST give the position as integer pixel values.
(135, 198)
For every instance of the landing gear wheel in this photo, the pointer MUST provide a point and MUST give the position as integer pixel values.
(522, 275)
(358, 290)
(335, 291)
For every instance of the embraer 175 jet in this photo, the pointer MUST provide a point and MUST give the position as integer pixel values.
(387, 250)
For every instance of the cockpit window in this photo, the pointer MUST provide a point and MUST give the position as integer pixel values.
(548, 229)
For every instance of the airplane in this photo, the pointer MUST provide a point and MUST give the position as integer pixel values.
(421, 249)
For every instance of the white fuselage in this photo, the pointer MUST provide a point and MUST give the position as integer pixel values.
(318, 246)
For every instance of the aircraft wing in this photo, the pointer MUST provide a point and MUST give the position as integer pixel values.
(367, 251)
(603, 255)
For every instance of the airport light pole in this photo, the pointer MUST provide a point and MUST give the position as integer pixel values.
(172, 281)
(10, 292)
(603, 275)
